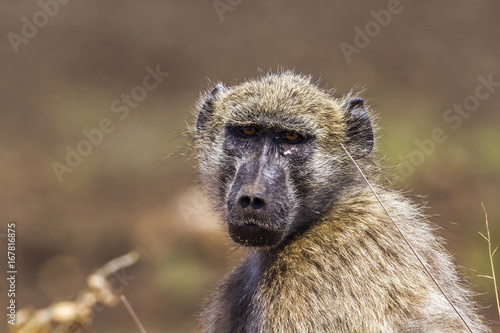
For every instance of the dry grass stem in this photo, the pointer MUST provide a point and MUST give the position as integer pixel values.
(133, 314)
(75, 316)
(491, 254)
(406, 240)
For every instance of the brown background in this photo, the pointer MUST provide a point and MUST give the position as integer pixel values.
(123, 196)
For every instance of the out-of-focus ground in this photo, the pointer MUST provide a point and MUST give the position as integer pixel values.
(66, 78)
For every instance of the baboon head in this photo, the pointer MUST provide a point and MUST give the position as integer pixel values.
(270, 156)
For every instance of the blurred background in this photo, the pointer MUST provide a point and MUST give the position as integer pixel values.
(96, 93)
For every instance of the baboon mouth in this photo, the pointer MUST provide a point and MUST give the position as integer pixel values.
(250, 234)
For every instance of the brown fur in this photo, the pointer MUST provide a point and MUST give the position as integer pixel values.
(348, 271)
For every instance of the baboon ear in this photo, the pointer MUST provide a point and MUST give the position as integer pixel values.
(359, 128)
(207, 107)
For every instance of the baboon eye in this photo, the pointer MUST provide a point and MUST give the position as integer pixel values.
(291, 137)
(248, 131)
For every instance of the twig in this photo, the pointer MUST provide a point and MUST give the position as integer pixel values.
(406, 240)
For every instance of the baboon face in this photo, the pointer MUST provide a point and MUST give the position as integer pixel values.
(270, 154)
(262, 199)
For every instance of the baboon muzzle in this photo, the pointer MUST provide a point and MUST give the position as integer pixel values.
(257, 203)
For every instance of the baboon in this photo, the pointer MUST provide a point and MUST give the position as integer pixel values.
(323, 255)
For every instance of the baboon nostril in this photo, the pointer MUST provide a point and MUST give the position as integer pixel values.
(244, 201)
(253, 201)
(257, 203)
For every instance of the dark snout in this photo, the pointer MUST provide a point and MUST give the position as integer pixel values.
(258, 203)
(253, 199)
